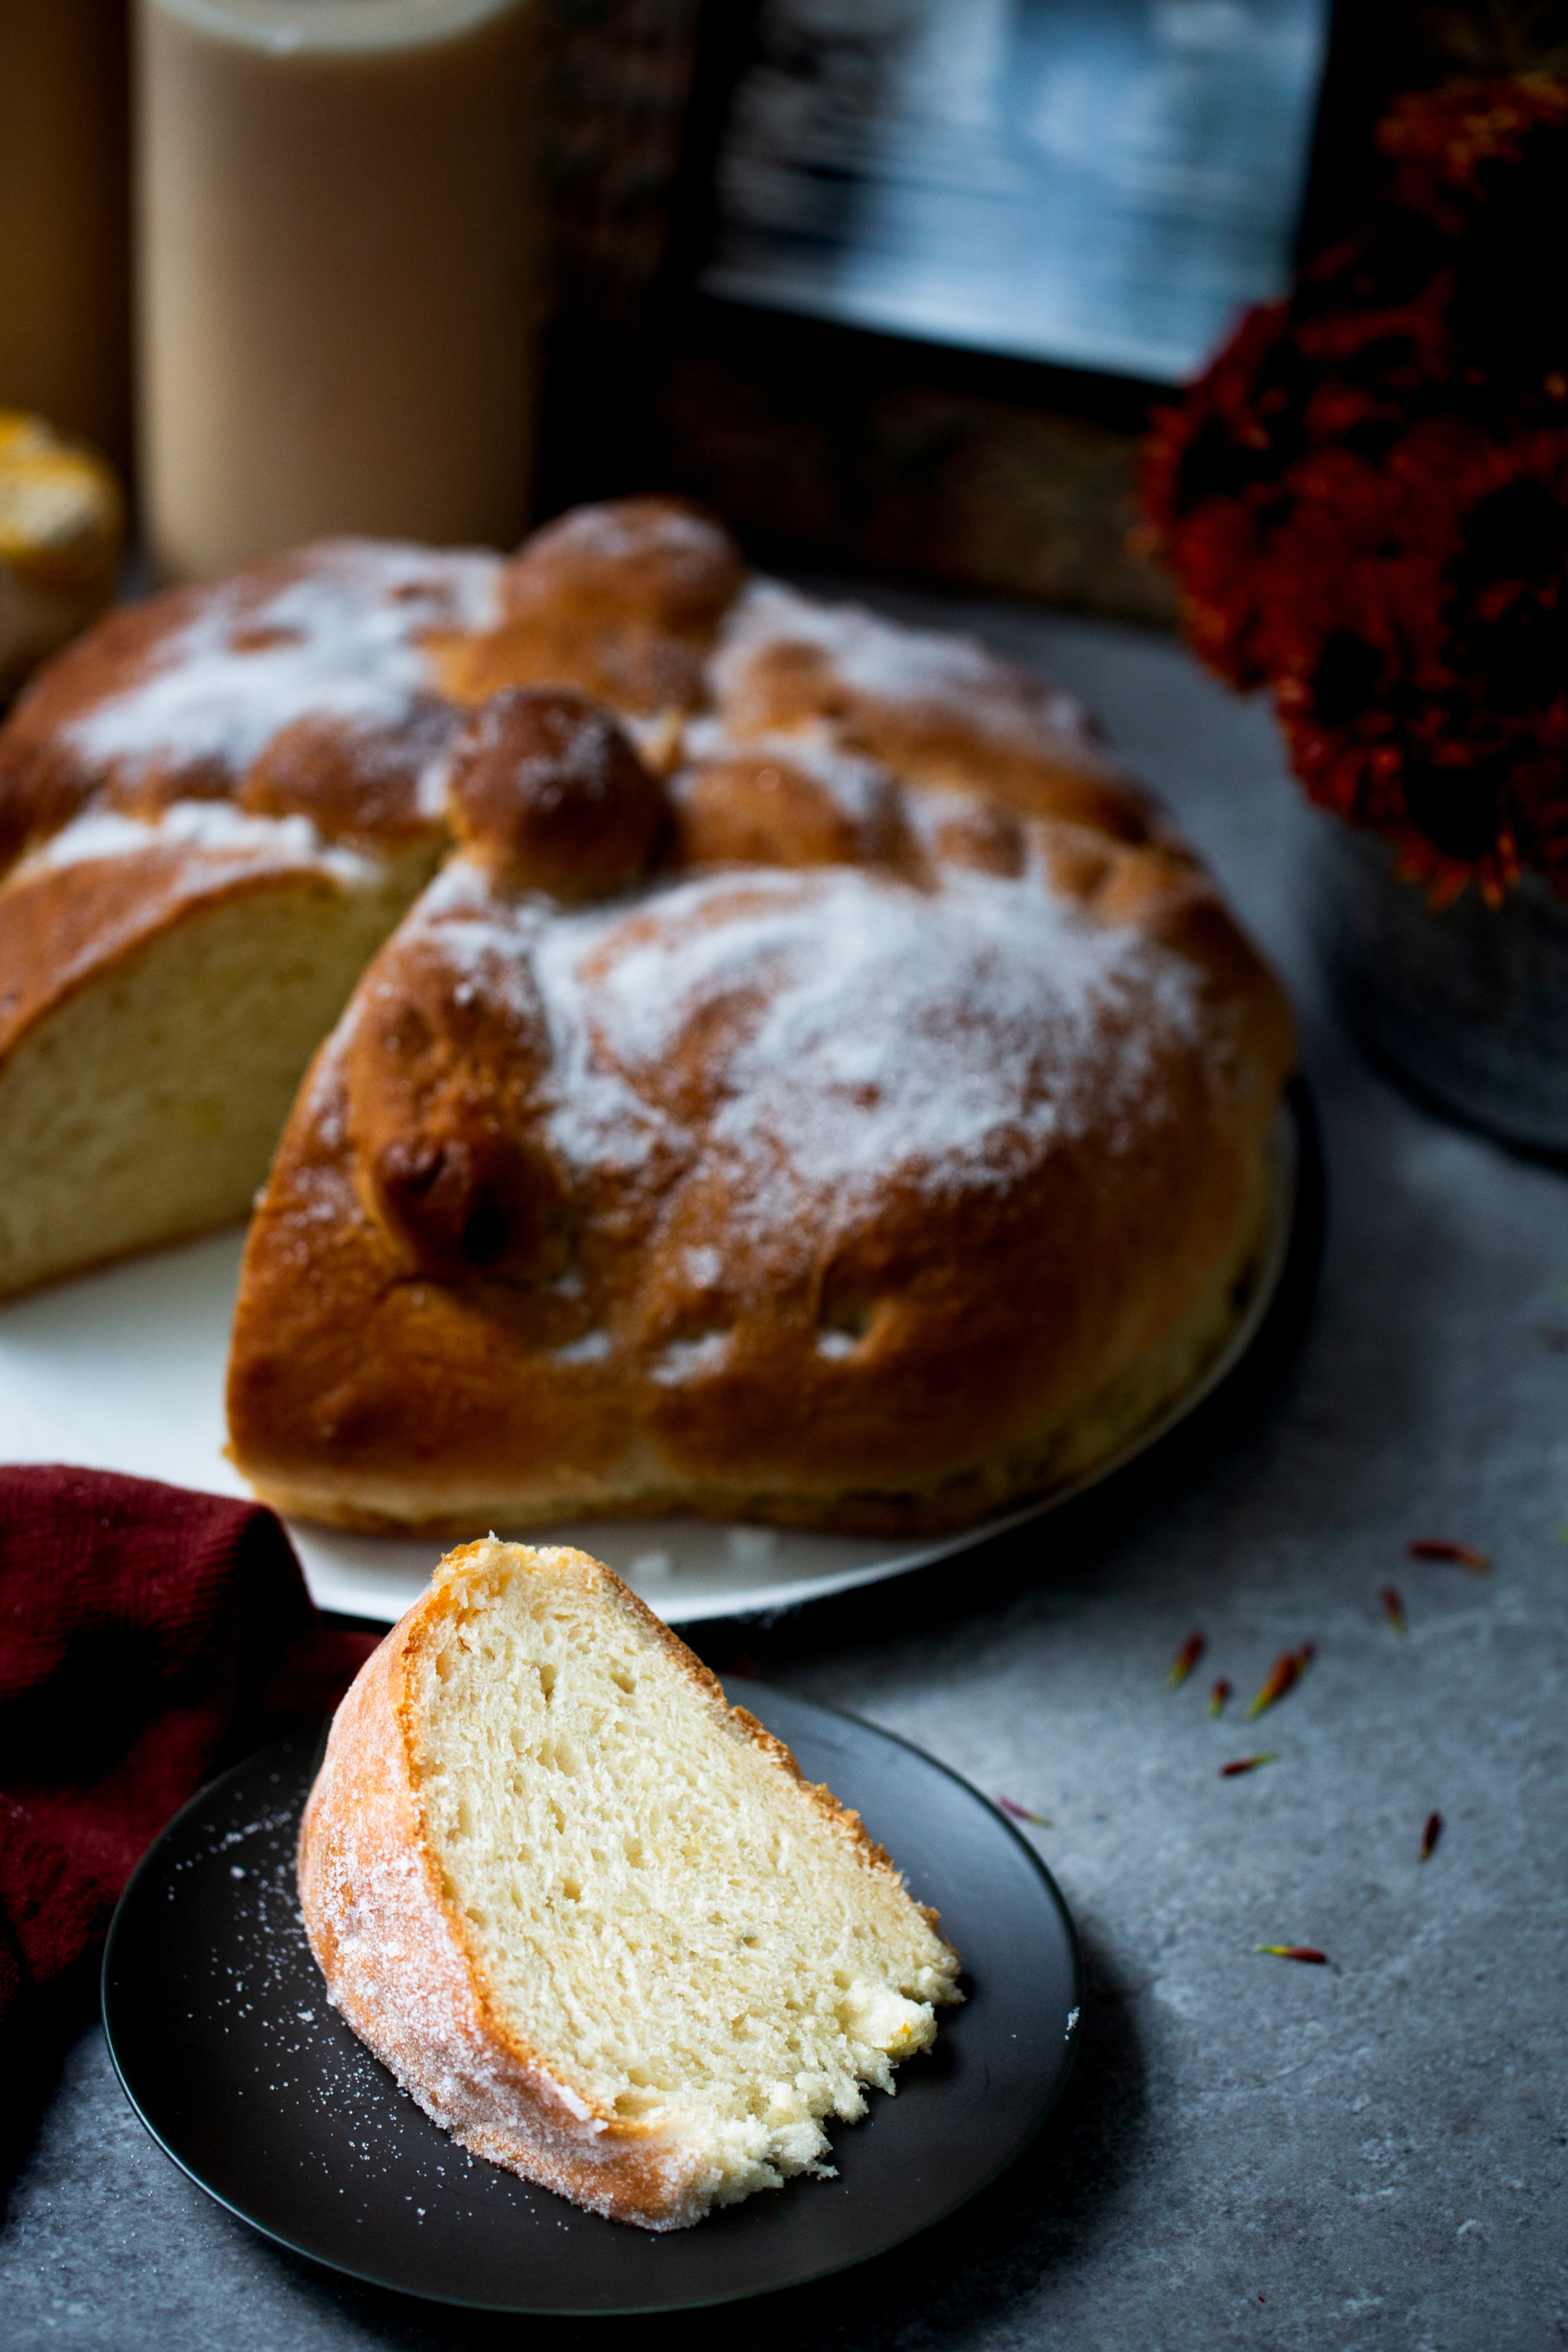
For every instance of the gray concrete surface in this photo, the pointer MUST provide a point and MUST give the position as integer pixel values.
(1253, 2153)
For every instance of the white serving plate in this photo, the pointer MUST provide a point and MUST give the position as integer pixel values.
(123, 1370)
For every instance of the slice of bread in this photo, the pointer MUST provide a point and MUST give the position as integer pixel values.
(158, 1008)
(591, 1915)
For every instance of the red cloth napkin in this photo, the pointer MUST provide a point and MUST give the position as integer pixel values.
(148, 1636)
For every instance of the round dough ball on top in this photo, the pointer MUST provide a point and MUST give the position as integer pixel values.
(547, 793)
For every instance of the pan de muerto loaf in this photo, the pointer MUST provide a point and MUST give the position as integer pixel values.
(809, 1080)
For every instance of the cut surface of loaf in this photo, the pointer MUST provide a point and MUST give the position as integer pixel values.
(592, 1916)
(142, 1106)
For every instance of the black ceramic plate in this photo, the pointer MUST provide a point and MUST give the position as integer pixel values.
(219, 2024)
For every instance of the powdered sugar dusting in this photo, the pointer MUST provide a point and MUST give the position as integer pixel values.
(342, 640)
(894, 1033)
(855, 1029)
(501, 950)
(215, 826)
(896, 664)
(497, 949)
(618, 533)
(485, 942)
(592, 1347)
(686, 1359)
(861, 786)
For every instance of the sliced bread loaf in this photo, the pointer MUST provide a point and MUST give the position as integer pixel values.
(591, 1915)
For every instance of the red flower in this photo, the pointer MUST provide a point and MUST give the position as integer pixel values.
(1365, 498)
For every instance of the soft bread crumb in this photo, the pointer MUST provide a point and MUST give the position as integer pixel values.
(146, 1107)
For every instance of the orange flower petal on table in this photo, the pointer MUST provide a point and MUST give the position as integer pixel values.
(1022, 1813)
(1283, 1675)
(1462, 1555)
(1185, 1659)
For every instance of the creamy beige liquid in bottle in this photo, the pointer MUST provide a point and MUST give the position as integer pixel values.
(338, 246)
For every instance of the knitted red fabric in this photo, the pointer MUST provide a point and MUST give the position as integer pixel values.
(148, 1636)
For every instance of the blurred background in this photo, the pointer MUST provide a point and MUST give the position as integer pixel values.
(897, 282)
(892, 283)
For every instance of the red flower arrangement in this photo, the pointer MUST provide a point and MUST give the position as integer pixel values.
(1366, 499)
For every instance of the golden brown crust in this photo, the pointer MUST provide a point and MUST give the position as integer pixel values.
(159, 706)
(397, 1963)
(44, 780)
(941, 711)
(567, 1339)
(766, 808)
(546, 793)
(444, 1492)
(353, 771)
(396, 1953)
(621, 600)
(361, 787)
(453, 1316)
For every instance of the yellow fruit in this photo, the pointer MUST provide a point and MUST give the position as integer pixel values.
(62, 534)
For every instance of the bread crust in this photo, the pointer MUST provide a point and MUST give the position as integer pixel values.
(1026, 1328)
(400, 1965)
(221, 743)
(354, 774)
(621, 600)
